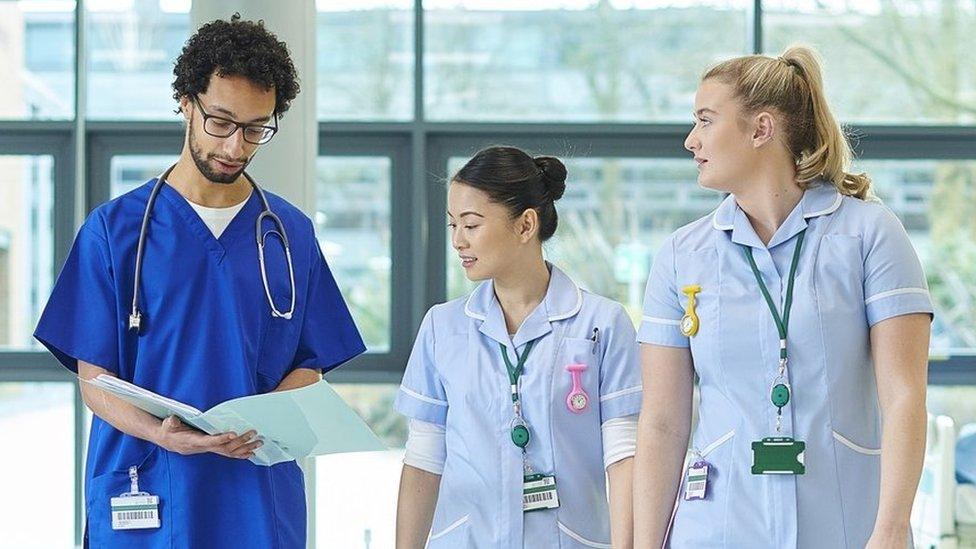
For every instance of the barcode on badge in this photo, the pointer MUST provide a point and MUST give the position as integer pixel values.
(536, 498)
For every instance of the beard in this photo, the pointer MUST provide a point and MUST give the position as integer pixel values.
(202, 162)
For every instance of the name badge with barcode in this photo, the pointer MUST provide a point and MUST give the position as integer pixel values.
(135, 512)
(696, 483)
(539, 492)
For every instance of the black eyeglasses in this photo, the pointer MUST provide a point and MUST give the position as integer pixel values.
(218, 126)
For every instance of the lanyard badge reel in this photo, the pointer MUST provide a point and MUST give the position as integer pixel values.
(538, 490)
(779, 454)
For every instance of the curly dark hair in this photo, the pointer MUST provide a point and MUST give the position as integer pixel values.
(236, 48)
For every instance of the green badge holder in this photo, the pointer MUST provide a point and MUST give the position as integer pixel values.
(778, 456)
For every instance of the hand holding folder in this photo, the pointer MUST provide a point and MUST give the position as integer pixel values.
(308, 421)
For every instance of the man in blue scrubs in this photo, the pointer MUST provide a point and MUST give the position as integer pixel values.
(207, 333)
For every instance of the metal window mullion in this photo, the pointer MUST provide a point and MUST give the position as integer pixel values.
(79, 209)
(418, 61)
(81, 99)
(756, 28)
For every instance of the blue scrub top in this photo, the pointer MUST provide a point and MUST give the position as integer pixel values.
(208, 336)
(857, 268)
(456, 378)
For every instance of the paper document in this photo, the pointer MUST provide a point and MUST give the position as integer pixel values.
(309, 421)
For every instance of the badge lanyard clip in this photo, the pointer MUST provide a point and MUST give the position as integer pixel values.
(135, 509)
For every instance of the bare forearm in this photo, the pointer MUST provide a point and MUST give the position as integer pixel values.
(415, 507)
(899, 346)
(621, 475)
(902, 454)
(297, 378)
(115, 411)
(657, 475)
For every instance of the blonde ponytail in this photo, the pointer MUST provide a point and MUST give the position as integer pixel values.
(792, 84)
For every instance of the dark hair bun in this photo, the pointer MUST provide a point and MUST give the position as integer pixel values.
(553, 175)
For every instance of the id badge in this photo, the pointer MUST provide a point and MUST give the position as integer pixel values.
(539, 492)
(778, 456)
(696, 482)
(135, 512)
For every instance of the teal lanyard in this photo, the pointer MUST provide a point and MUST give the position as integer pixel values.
(780, 393)
(519, 431)
(515, 372)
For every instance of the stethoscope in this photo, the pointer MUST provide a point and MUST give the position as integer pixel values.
(135, 317)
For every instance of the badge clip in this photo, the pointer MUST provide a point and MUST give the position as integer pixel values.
(134, 509)
(690, 322)
(696, 479)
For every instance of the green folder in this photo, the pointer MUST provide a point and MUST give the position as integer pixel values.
(310, 421)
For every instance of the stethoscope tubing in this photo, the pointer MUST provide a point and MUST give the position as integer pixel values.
(135, 316)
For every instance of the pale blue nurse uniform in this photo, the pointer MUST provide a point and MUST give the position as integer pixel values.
(857, 267)
(456, 377)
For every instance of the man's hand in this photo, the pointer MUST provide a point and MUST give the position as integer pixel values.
(175, 436)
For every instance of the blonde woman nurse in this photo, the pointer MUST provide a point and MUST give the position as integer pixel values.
(522, 396)
(803, 310)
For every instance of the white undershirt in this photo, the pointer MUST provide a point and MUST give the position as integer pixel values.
(217, 219)
(426, 448)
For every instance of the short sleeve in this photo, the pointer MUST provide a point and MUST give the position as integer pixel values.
(620, 375)
(329, 336)
(661, 321)
(81, 319)
(894, 283)
(421, 395)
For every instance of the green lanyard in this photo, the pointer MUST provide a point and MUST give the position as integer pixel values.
(520, 431)
(780, 393)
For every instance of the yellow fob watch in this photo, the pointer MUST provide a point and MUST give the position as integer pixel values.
(689, 322)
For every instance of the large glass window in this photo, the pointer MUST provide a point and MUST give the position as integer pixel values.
(574, 60)
(131, 170)
(901, 61)
(936, 201)
(37, 470)
(352, 222)
(26, 246)
(37, 60)
(365, 59)
(132, 45)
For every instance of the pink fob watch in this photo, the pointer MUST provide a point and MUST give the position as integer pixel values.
(577, 400)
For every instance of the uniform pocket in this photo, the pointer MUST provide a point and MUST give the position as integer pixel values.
(278, 347)
(577, 446)
(699, 268)
(154, 478)
(568, 538)
(697, 523)
(859, 476)
(452, 535)
(576, 356)
(839, 277)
